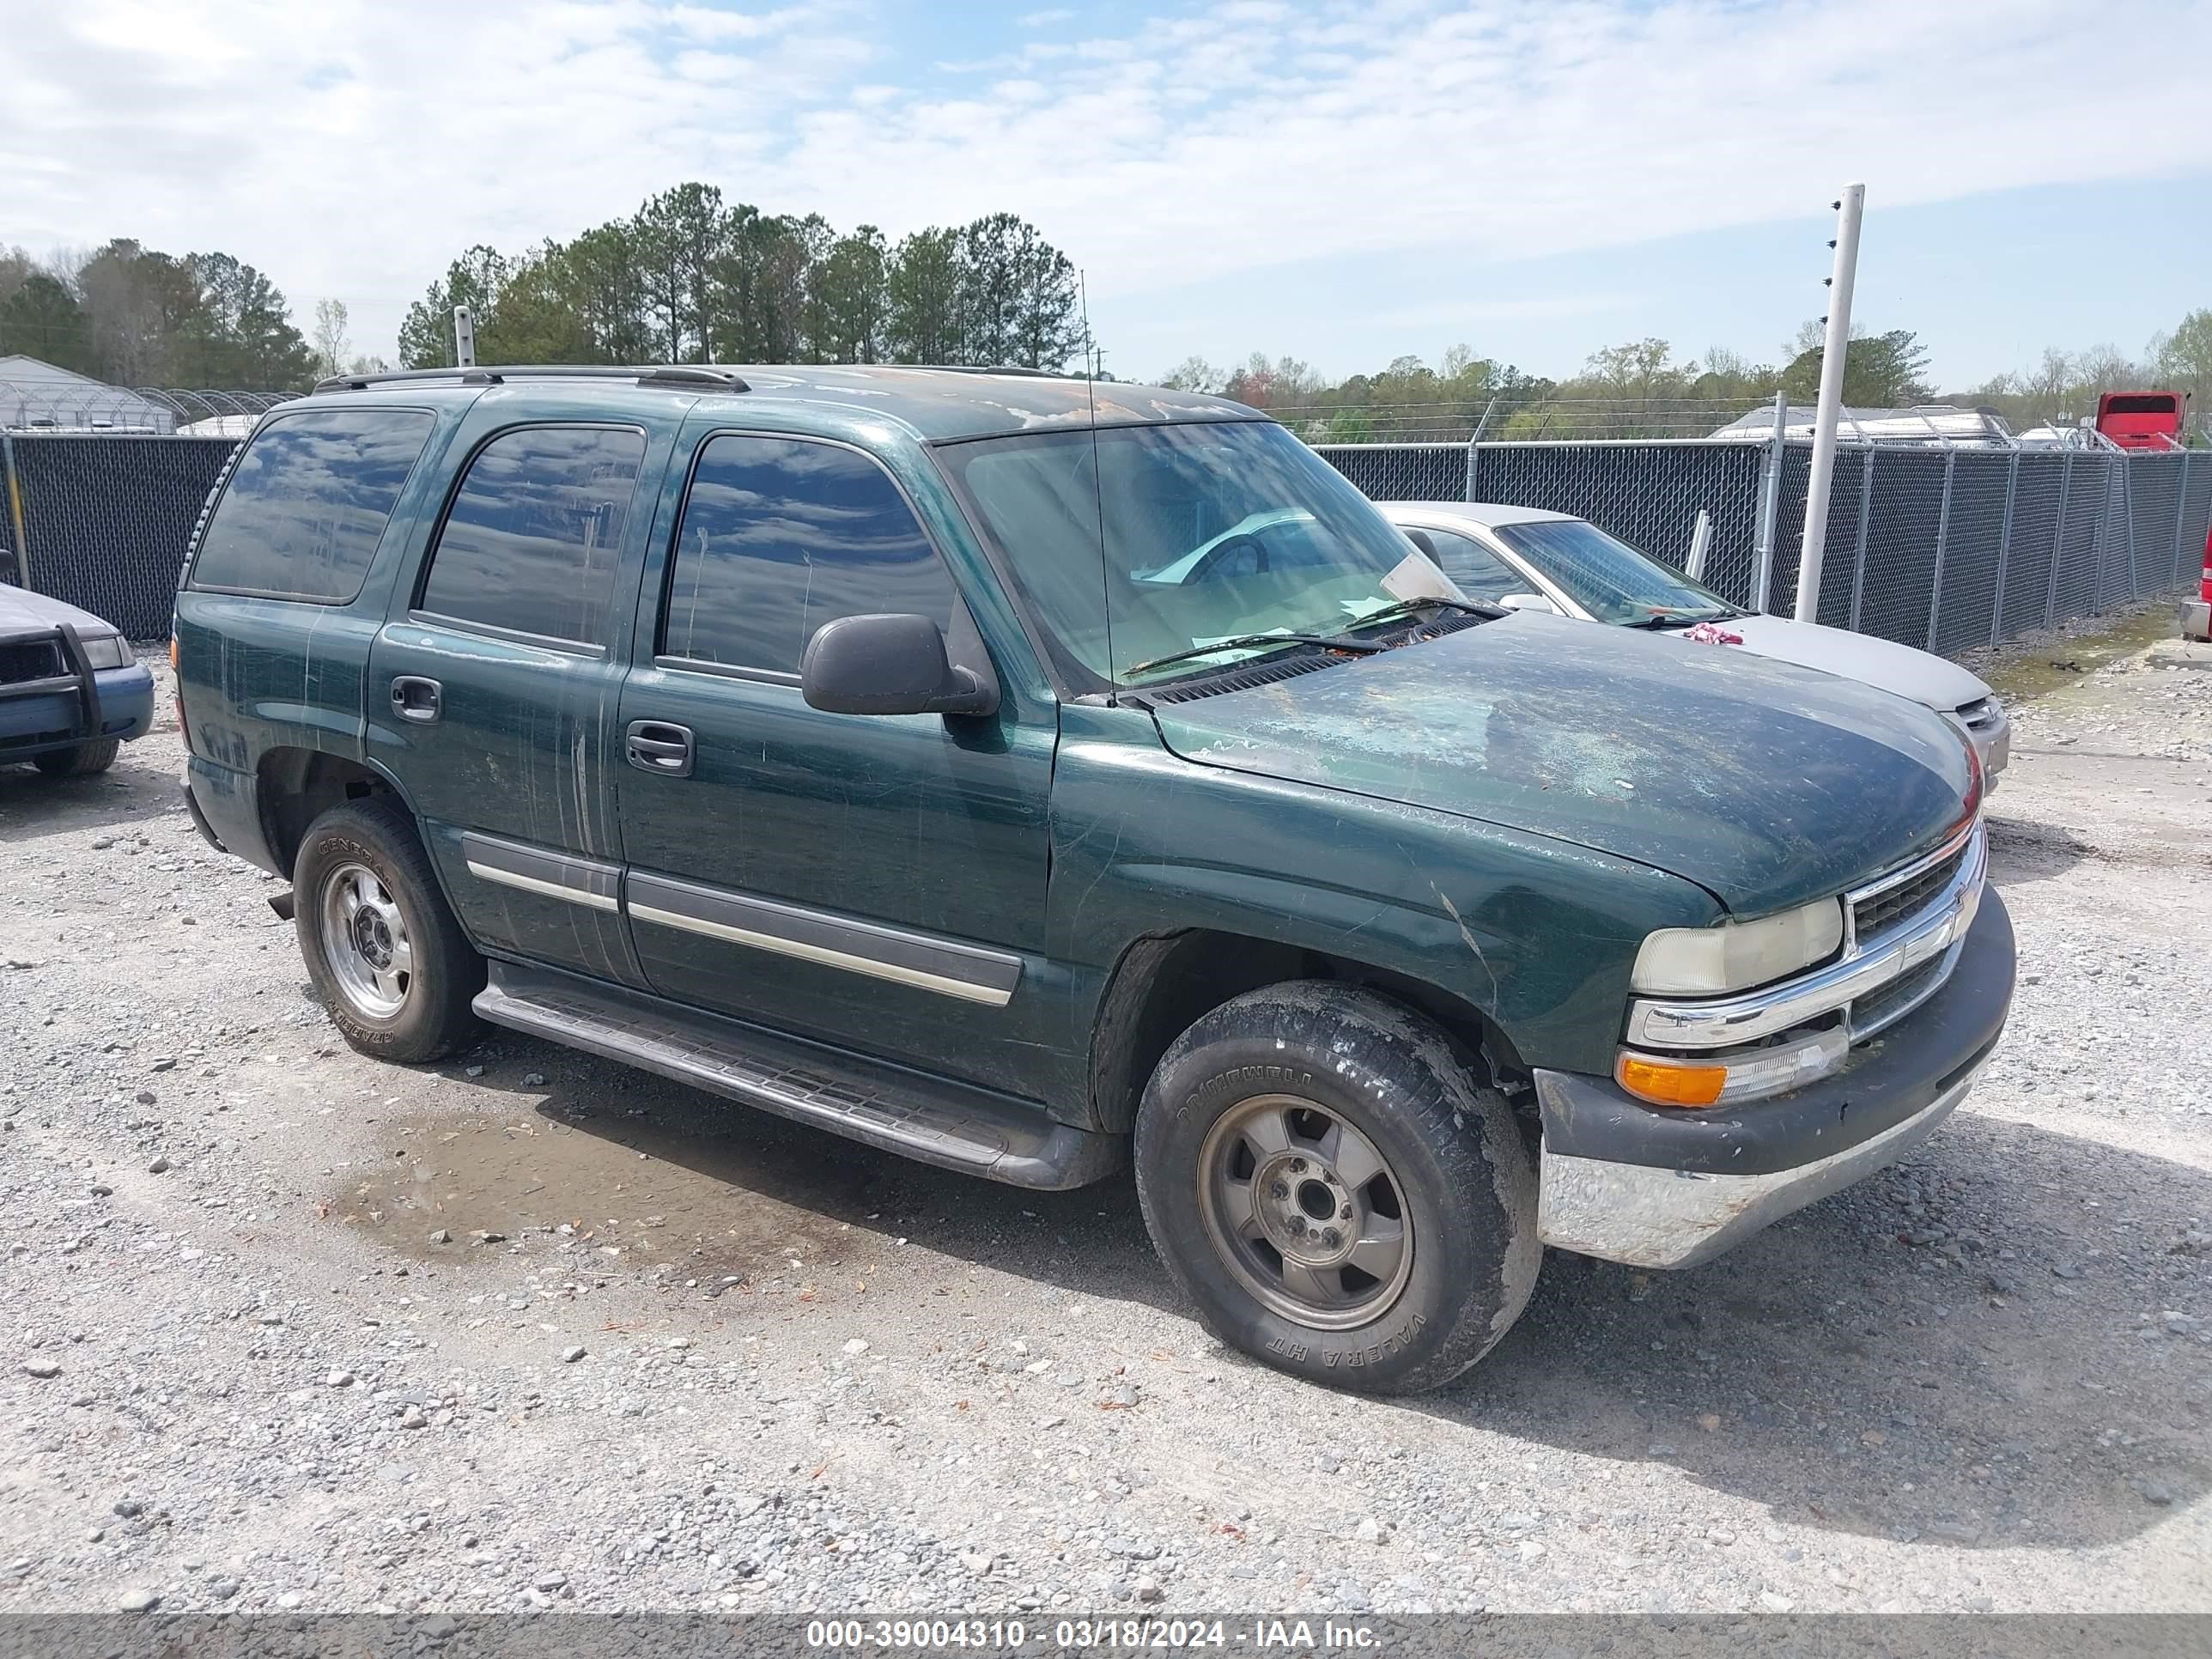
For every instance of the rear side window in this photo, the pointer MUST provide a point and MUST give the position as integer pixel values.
(535, 533)
(308, 502)
(779, 536)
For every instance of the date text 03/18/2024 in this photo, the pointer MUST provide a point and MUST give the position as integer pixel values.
(1090, 1635)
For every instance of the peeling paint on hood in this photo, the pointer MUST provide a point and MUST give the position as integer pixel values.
(1765, 783)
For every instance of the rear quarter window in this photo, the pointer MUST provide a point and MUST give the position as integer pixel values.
(308, 503)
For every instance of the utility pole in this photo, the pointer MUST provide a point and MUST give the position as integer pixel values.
(1826, 417)
(464, 338)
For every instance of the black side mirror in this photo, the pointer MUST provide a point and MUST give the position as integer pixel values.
(890, 665)
(1420, 539)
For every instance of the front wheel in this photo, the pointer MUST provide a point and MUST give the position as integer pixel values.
(1326, 1180)
(81, 762)
(381, 944)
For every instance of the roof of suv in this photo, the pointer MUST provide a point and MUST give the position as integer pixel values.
(936, 403)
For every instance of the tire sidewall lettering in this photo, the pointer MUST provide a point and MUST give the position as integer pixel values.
(1373, 1353)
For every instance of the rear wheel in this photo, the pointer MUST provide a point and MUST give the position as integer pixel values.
(81, 762)
(1327, 1180)
(381, 944)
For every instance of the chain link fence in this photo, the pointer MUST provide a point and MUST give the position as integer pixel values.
(103, 520)
(1941, 548)
(1406, 472)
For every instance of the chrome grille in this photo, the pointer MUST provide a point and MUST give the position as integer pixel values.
(1906, 931)
(1875, 914)
(1871, 1014)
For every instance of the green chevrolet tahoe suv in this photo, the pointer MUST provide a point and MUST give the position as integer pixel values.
(1022, 775)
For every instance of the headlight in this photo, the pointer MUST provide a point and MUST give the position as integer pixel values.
(1738, 954)
(106, 650)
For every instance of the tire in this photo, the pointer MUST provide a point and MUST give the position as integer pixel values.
(1281, 1074)
(81, 762)
(384, 949)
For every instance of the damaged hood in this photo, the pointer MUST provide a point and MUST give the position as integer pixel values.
(1764, 783)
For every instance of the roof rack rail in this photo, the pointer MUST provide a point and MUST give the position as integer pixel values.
(659, 374)
(993, 368)
(722, 380)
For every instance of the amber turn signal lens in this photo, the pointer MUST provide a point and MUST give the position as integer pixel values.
(1670, 1083)
(173, 654)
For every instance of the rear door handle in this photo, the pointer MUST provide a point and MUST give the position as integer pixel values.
(659, 746)
(416, 699)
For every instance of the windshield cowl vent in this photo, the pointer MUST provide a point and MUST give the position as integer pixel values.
(1285, 668)
(1243, 679)
(1450, 622)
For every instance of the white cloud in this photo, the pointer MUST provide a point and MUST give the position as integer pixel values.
(716, 23)
(352, 148)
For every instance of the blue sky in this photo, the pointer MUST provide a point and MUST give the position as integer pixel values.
(1343, 181)
(1987, 281)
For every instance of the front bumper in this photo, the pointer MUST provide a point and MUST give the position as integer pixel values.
(2197, 619)
(82, 704)
(1659, 1187)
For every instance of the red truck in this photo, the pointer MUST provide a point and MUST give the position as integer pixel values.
(2143, 420)
(2157, 420)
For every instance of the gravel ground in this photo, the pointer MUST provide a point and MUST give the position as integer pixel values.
(286, 1327)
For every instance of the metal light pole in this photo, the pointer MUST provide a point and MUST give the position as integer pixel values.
(464, 338)
(1825, 418)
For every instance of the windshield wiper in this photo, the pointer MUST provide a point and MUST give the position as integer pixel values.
(1241, 641)
(1406, 607)
(1344, 641)
(1686, 618)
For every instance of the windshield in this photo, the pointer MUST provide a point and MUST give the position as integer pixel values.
(1608, 577)
(1212, 532)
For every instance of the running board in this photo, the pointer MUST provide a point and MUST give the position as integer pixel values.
(927, 1118)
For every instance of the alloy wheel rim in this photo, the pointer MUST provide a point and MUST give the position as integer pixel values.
(365, 941)
(1305, 1211)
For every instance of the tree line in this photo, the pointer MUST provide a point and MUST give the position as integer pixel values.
(688, 278)
(2064, 385)
(1636, 389)
(691, 278)
(132, 315)
(1640, 388)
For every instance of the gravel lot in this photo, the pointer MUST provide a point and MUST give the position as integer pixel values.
(285, 1328)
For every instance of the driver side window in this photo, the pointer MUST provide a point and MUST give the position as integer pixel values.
(1479, 574)
(782, 535)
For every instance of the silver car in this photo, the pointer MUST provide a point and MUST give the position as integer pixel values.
(1526, 558)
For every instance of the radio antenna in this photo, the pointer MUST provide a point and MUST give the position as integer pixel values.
(1098, 480)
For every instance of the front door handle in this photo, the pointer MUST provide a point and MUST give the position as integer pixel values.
(416, 699)
(659, 746)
